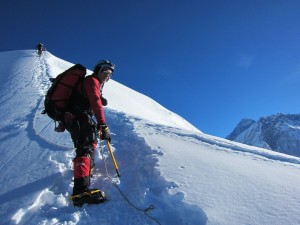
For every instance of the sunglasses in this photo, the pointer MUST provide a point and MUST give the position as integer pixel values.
(107, 73)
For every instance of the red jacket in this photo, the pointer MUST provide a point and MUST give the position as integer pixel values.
(92, 88)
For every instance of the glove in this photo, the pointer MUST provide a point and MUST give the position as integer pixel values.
(104, 133)
(103, 100)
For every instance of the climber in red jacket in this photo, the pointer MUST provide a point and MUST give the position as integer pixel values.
(86, 102)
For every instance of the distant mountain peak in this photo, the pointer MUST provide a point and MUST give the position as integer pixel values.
(241, 127)
(279, 132)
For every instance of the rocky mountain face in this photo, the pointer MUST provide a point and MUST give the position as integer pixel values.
(279, 132)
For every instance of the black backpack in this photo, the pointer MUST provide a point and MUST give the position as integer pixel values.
(58, 97)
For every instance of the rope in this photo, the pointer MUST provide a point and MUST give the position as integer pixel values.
(145, 211)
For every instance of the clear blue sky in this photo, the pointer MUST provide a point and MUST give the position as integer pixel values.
(213, 62)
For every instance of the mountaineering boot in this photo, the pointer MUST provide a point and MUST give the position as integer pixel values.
(83, 170)
(93, 196)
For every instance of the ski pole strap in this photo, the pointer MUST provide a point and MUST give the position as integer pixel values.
(113, 158)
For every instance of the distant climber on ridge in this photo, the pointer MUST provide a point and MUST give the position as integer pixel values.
(40, 48)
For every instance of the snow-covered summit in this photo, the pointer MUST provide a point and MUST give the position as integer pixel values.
(189, 177)
(279, 132)
(243, 125)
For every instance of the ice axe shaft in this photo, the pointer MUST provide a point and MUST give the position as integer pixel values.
(113, 158)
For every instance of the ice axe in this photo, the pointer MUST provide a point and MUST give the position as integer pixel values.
(113, 158)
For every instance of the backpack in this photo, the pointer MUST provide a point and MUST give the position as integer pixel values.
(58, 97)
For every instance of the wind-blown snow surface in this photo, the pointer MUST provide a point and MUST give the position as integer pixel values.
(189, 177)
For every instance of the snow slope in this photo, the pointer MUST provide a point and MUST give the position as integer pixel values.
(189, 177)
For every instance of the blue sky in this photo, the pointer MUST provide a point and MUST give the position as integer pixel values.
(212, 62)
